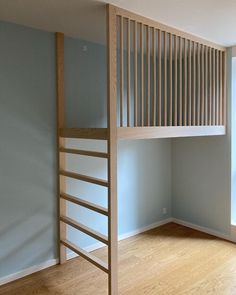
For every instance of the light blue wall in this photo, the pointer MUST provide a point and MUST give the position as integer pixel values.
(27, 148)
(201, 177)
(28, 144)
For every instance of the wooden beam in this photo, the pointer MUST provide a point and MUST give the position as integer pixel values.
(86, 255)
(85, 229)
(85, 178)
(84, 153)
(112, 150)
(169, 132)
(85, 204)
(86, 133)
(60, 141)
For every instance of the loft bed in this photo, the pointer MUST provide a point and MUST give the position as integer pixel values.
(161, 83)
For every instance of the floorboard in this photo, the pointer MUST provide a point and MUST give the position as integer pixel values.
(169, 260)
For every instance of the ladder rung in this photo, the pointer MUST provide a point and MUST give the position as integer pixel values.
(86, 255)
(84, 178)
(85, 204)
(84, 153)
(96, 235)
(89, 133)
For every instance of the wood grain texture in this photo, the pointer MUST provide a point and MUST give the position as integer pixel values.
(176, 260)
(60, 141)
(112, 150)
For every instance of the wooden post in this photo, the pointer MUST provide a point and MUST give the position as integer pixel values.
(112, 150)
(60, 141)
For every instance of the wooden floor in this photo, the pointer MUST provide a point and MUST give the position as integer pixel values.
(171, 259)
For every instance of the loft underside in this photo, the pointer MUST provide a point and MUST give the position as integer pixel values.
(144, 132)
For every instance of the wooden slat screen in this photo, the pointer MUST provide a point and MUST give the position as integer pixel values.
(166, 79)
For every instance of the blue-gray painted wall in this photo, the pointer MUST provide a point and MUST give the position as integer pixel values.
(28, 230)
(201, 177)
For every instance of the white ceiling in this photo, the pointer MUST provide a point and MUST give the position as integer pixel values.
(214, 20)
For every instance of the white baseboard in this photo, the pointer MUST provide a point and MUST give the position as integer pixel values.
(27, 271)
(97, 246)
(204, 229)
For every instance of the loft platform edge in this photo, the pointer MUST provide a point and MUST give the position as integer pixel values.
(85, 133)
(169, 131)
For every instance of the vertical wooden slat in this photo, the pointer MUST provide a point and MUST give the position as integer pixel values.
(176, 84)
(213, 88)
(206, 86)
(148, 77)
(60, 141)
(165, 79)
(190, 83)
(185, 82)
(154, 76)
(141, 76)
(210, 88)
(128, 72)
(194, 83)
(170, 82)
(135, 75)
(217, 87)
(221, 90)
(112, 150)
(198, 84)
(224, 88)
(121, 71)
(159, 79)
(180, 82)
(202, 87)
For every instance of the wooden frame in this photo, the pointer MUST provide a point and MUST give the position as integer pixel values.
(153, 105)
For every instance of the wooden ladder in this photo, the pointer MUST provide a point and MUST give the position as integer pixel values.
(111, 183)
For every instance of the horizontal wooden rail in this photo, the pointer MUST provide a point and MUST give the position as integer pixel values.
(84, 178)
(84, 153)
(86, 133)
(86, 204)
(86, 255)
(168, 131)
(88, 231)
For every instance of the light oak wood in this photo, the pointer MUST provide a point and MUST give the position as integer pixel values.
(60, 141)
(190, 83)
(148, 77)
(169, 260)
(194, 84)
(85, 178)
(217, 87)
(180, 82)
(162, 27)
(221, 89)
(112, 151)
(128, 72)
(121, 71)
(210, 87)
(199, 84)
(154, 99)
(85, 204)
(168, 132)
(159, 79)
(165, 79)
(84, 153)
(202, 87)
(206, 87)
(213, 88)
(170, 82)
(85, 229)
(86, 255)
(185, 82)
(141, 77)
(176, 83)
(86, 133)
(135, 77)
